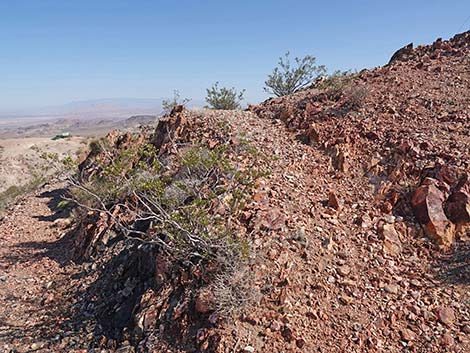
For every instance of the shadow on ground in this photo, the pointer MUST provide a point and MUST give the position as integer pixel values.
(55, 197)
(98, 311)
(454, 267)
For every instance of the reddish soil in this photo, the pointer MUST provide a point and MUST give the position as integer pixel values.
(342, 256)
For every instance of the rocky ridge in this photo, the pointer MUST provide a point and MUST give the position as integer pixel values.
(359, 237)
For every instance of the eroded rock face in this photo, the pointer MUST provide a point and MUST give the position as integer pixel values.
(427, 202)
(169, 128)
(402, 54)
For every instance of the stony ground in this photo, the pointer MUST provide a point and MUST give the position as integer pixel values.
(339, 260)
(34, 267)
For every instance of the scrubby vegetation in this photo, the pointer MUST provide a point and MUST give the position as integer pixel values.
(169, 104)
(186, 204)
(288, 78)
(341, 84)
(224, 98)
(9, 196)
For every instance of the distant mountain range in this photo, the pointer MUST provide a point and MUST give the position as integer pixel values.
(109, 108)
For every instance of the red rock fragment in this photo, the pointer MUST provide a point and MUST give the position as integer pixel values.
(333, 201)
(407, 335)
(427, 202)
(447, 340)
(170, 128)
(274, 219)
(458, 203)
(391, 239)
(445, 315)
(287, 334)
(458, 207)
(300, 342)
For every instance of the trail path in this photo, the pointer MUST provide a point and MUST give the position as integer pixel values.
(34, 267)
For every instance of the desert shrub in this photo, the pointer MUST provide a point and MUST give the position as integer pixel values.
(341, 84)
(177, 206)
(355, 96)
(169, 104)
(232, 290)
(187, 204)
(289, 77)
(335, 84)
(224, 98)
(8, 197)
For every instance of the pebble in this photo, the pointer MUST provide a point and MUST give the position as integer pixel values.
(391, 288)
(447, 340)
(35, 346)
(344, 270)
(248, 349)
(275, 326)
(390, 219)
(445, 315)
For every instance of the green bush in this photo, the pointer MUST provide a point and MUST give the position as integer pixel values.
(289, 78)
(224, 98)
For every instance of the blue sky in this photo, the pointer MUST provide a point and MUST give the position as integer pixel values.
(57, 51)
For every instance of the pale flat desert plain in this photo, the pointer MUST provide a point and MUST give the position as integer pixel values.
(23, 141)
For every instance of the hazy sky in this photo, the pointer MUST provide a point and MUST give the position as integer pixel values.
(56, 51)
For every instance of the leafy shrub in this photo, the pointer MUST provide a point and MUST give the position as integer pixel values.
(169, 104)
(176, 205)
(188, 205)
(289, 78)
(224, 98)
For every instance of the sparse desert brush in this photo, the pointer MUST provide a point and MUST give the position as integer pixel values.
(224, 98)
(8, 197)
(355, 96)
(335, 84)
(187, 204)
(169, 104)
(232, 290)
(288, 77)
(341, 84)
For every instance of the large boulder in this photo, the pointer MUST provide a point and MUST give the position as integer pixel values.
(427, 202)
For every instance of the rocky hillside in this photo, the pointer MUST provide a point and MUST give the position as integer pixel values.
(332, 220)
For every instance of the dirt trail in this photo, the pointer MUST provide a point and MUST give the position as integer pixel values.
(34, 265)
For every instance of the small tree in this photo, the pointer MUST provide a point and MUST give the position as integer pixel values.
(224, 98)
(289, 78)
(169, 104)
